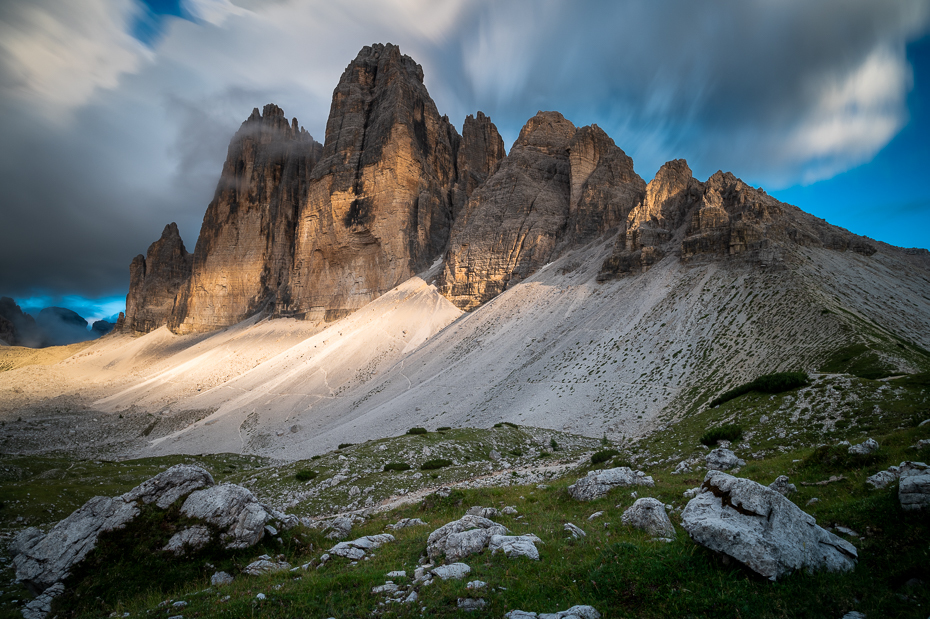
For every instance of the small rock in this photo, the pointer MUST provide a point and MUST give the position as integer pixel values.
(413, 597)
(813, 501)
(922, 443)
(854, 614)
(914, 487)
(476, 584)
(693, 492)
(356, 549)
(220, 578)
(339, 528)
(471, 604)
(455, 571)
(260, 596)
(403, 523)
(510, 510)
(576, 532)
(463, 537)
(483, 512)
(179, 604)
(865, 448)
(42, 605)
(595, 515)
(782, 487)
(388, 587)
(397, 574)
(846, 531)
(495, 455)
(598, 483)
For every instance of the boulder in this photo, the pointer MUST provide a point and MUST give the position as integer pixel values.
(461, 538)
(864, 448)
(471, 604)
(722, 460)
(761, 529)
(514, 546)
(648, 514)
(231, 508)
(598, 483)
(42, 560)
(914, 489)
(782, 487)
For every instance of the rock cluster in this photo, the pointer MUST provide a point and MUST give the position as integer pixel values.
(598, 483)
(575, 612)
(41, 560)
(760, 528)
(463, 537)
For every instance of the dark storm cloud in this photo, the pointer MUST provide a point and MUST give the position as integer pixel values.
(106, 140)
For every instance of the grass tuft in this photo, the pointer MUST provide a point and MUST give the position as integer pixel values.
(768, 383)
(729, 432)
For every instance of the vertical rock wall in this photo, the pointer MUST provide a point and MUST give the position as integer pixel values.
(245, 251)
(154, 282)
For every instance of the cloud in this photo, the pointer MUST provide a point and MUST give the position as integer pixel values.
(57, 54)
(113, 139)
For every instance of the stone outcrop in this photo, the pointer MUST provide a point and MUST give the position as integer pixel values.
(154, 282)
(463, 537)
(16, 327)
(596, 484)
(41, 559)
(558, 187)
(720, 217)
(514, 546)
(761, 529)
(721, 459)
(378, 208)
(245, 251)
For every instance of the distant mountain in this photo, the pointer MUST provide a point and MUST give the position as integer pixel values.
(54, 326)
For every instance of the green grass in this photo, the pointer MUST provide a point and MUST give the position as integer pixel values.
(417, 431)
(616, 569)
(858, 360)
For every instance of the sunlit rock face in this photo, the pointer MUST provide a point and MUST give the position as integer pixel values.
(381, 201)
(154, 282)
(245, 251)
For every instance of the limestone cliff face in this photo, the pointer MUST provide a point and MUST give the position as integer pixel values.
(480, 152)
(558, 188)
(245, 251)
(379, 205)
(722, 217)
(154, 282)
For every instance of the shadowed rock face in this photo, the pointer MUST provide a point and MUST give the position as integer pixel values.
(154, 282)
(718, 218)
(379, 206)
(246, 247)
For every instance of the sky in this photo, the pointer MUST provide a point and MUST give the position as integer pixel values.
(117, 113)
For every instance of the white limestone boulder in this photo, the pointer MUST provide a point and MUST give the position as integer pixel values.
(762, 529)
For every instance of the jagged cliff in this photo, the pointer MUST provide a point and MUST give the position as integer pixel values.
(317, 231)
(245, 251)
(155, 280)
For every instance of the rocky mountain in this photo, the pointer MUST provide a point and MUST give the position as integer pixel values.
(316, 232)
(155, 280)
(245, 250)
